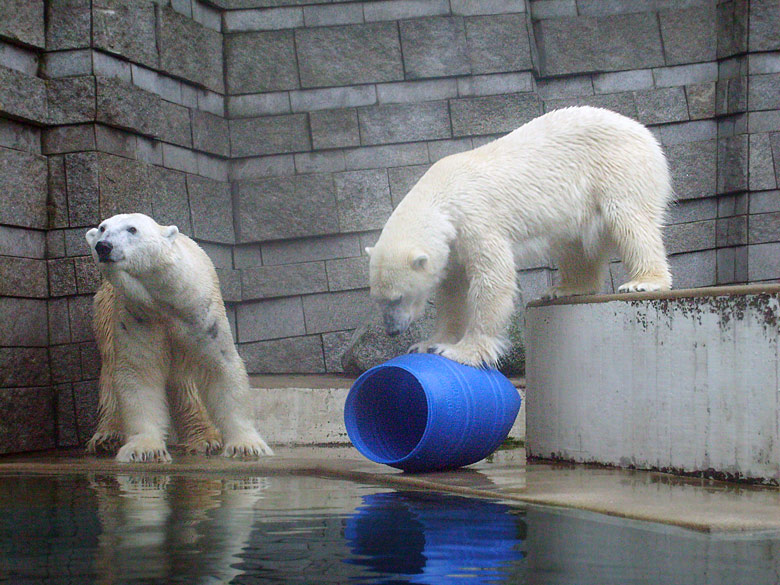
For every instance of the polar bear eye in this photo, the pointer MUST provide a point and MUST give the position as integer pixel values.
(102, 229)
(132, 230)
(395, 302)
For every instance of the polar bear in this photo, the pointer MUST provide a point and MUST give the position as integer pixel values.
(573, 184)
(161, 329)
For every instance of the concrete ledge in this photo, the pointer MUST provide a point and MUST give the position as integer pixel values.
(309, 410)
(686, 381)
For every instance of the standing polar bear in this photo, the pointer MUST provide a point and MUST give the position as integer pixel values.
(574, 183)
(161, 329)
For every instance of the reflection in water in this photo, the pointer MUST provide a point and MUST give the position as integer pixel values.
(435, 538)
(208, 529)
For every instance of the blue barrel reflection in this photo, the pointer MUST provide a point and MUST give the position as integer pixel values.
(435, 538)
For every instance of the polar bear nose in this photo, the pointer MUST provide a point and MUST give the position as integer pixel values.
(103, 250)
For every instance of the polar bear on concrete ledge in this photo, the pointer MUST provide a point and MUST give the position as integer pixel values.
(575, 184)
(161, 329)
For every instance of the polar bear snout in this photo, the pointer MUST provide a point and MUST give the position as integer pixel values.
(392, 327)
(103, 250)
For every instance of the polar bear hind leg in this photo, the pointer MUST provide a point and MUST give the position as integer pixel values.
(581, 269)
(639, 241)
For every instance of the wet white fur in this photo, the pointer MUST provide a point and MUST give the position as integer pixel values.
(572, 184)
(161, 324)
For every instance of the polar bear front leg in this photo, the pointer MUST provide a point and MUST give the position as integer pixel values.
(489, 305)
(229, 400)
(451, 311)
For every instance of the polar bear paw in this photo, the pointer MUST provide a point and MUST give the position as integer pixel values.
(249, 445)
(105, 442)
(642, 286)
(476, 355)
(144, 448)
(559, 292)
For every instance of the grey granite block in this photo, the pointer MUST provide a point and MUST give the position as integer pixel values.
(229, 284)
(402, 179)
(394, 155)
(661, 106)
(764, 262)
(320, 162)
(499, 83)
(23, 21)
(126, 28)
(694, 269)
(262, 104)
(59, 321)
(58, 64)
(347, 273)
(775, 141)
(764, 30)
(283, 281)
(688, 237)
(270, 135)
(295, 355)
(89, 356)
(286, 207)
(417, 91)
(404, 122)
(169, 200)
(65, 363)
(498, 44)
(765, 202)
(311, 100)
(685, 74)
(23, 277)
(764, 92)
(28, 424)
(363, 199)
(333, 14)
(609, 43)
(732, 163)
(761, 171)
(764, 228)
(333, 346)
(701, 100)
(125, 187)
(257, 168)
(191, 50)
(270, 319)
(334, 128)
(689, 35)
(81, 316)
(176, 127)
(24, 322)
(622, 103)
(69, 24)
(693, 166)
(210, 133)
(260, 62)
(732, 231)
(22, 96)
(57, 202)
(347, 55)
(25, 243)
(23, 180)
(20, 136)
(179, 158)
(87, 275)
(623, 81)
(403, 9)
(62, 277)
(270, 19)
(212, 210)
(64, 139)
(441, 148)
(306, 250)
(113, 141)
(434, 47)
(336, 311)
(493, 114)
(125, 106)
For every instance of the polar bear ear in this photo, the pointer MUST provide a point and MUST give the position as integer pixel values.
(418, 260)
(91, 236)
(170, 232)
(369, 250)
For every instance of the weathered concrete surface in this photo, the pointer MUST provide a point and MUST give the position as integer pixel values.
(309, 410)
(687, 381)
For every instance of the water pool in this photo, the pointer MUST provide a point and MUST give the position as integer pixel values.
(155, 528)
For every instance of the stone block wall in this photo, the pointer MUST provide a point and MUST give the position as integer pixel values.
(280, 134)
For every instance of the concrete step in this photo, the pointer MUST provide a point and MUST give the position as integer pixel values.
(686, 381)
(309, 410)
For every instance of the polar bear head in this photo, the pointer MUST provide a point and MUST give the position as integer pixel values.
(132, 242)
(402, 279)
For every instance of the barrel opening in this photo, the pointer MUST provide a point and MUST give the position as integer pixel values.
(389, 413)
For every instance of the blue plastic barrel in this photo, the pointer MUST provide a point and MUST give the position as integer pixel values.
(424, 412)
